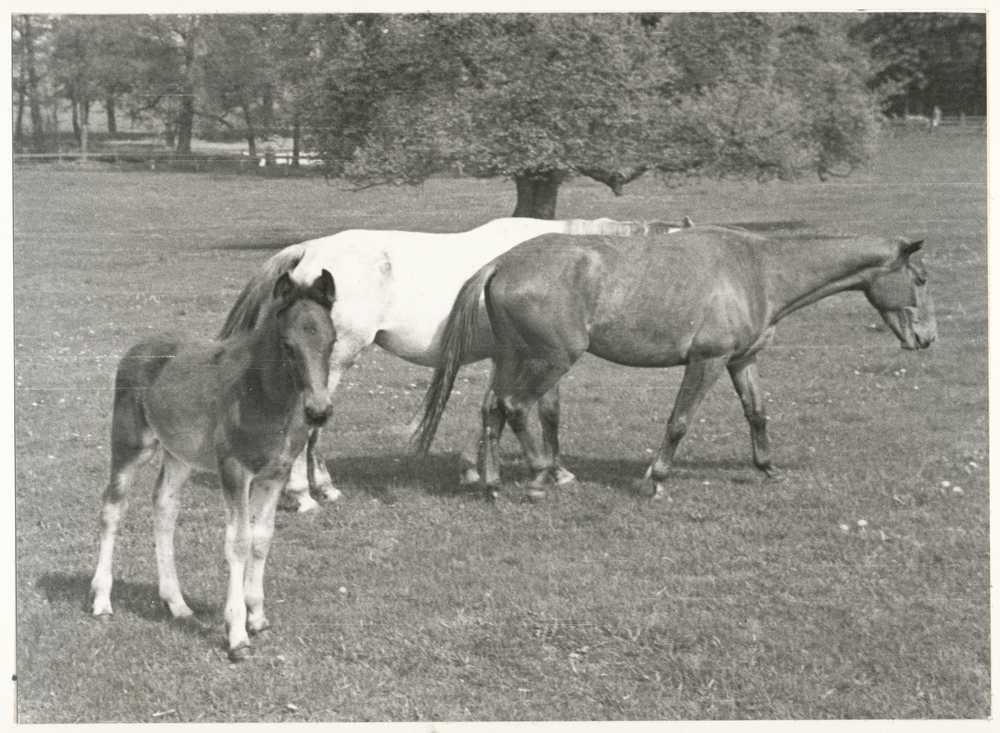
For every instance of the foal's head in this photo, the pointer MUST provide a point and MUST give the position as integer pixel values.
(900, 294)
(302, 314)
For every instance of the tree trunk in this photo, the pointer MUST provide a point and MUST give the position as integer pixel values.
(74, 106)
(185, 124)
(110, 106)
(537, 192)
(84, 128)
(251, 133)
(34, 100)
(296, 134)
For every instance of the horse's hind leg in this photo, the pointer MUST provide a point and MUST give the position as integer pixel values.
(132, 444)
(166, 505)
(548, 415)
(746, 382)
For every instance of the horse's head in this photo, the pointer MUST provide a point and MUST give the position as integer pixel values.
(307, 338)
(900, 294)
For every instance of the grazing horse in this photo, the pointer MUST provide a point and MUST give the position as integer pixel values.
(395, 289)
(708, 298)
(243, 409)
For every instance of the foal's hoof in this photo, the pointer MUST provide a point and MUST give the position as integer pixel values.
(492, 494)
(772, 474)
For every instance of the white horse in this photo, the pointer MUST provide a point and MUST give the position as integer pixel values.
(396, 289)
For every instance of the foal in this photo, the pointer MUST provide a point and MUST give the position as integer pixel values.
(242, 408)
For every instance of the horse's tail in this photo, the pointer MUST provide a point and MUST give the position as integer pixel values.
(257, 292)
(458, 340)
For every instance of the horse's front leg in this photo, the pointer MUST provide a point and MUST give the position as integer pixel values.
(699, 376)
(236, 492)
(265, 491)
(747, 384)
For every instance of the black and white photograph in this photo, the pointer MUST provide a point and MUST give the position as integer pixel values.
(443, 367)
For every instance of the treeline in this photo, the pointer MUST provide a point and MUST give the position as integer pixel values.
(388, 98)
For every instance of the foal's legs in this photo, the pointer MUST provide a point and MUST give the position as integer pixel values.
(744, 376)
(699, 376)
(236, 492)
(173, 474)
(132, 445)
(265, 490)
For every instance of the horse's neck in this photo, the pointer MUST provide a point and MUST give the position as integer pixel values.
(800, 273)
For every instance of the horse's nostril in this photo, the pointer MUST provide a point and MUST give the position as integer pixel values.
(317, 415)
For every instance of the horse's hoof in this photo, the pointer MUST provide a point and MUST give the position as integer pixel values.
(534, 495)
(562, 476)
(492, 494)
(469, 477)
(307, 504)
(258, 628)
(659, 492)
(240, 653)
(331, 493)
(104, 617)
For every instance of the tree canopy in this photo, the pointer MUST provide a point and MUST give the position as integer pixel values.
(539, 98)
(542, 97)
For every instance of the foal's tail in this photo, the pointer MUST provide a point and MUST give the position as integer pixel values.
(458, 340)
(257, 292)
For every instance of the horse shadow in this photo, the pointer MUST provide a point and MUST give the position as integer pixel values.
(381, 476)
(138, 599)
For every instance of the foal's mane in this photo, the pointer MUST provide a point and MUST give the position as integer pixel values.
(257, 292)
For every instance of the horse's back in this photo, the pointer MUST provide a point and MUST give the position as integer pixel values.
(171, 385)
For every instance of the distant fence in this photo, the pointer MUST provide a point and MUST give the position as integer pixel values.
(924, 124)
(153, 157)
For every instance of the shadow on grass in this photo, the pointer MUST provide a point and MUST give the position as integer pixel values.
(139, 599)
(764, 227)
(438, 474)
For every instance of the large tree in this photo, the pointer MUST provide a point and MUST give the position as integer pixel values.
(540, 98)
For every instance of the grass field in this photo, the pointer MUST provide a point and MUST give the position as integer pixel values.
(411, 600)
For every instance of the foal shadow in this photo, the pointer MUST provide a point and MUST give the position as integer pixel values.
(379, 476)
(138, 599)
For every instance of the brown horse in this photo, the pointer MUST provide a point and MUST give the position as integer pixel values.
(242, 408)
(708, 298)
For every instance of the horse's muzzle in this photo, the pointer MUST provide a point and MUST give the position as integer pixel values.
(317, 415)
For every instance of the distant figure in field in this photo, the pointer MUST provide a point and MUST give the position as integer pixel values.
(936, 119)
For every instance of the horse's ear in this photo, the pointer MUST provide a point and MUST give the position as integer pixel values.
(687, 222)
(325, 285)
(908, 248)
(283, 287)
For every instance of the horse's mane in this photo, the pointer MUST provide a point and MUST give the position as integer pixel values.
(257, 292)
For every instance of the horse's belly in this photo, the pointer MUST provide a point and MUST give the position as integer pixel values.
(638, 350)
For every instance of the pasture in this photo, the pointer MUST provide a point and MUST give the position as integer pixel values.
(857, 586)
